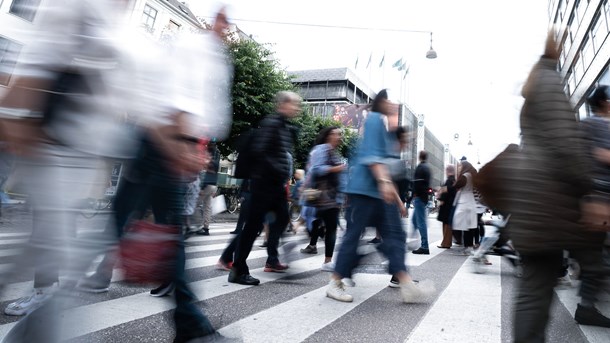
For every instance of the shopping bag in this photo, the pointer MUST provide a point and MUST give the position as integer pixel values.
(148, 252)
(218, 204)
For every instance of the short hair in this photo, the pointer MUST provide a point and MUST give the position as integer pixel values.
(599, 96)
(381, 96)
(300, 173)
(283, 97)
(423, 155)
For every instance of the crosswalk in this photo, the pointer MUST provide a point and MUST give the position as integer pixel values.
(293, 307)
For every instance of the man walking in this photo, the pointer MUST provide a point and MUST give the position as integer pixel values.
(269, 175)
(421, 184)
(208, 187)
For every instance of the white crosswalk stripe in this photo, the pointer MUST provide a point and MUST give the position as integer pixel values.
(467, 306)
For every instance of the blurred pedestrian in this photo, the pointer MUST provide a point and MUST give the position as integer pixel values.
(465, 212)
(245, 196)
(374, 201)
(447, 197)
(209, 187)
(269, 176)
(545, 201)
(421, 185)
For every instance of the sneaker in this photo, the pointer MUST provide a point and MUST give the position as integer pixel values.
(310, 250)
(417, 292)
(421, 251)
(221, 265)
(202, 232)
(275, 268)
(162, 290)
(591, 316)
(328, 267)
(29, 303)
(394, 283)
(93, 284)
(347, 282)
(336, 290)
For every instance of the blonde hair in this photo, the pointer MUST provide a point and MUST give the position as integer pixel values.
(299, 174)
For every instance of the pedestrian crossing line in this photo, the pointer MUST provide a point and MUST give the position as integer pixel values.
(91, 318)
(478, 296)
(570, 299)
(221, 246)
(14, 234)
(10, 252)
(412, 259)
(13, 241)
(264, 326)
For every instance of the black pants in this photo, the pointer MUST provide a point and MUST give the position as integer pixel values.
(330, 217)
(267, 198)
(535, 289)
(244, 212)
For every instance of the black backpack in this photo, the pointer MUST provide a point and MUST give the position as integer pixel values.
(245, 155)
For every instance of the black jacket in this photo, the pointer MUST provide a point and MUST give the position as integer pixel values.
(272, 147)
(421, 181)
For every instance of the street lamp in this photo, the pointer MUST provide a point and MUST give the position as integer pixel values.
(431, 54)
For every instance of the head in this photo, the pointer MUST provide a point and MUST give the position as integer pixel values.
(450, 170)
(423, 156)
(221, 22)
(288, 104)
(598, 101)
(299, 174)
(402, 134)
(381, 102)
(330, 135)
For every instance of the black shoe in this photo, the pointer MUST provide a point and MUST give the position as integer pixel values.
(214, 337)
(375, 241)
(162, 290)
(421, 251)
(243, 279)
(264, 245)
(202, 232)
(591, 316)
(234, 232)
(394, 282)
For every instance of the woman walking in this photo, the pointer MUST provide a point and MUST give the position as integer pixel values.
(465, 213)
(446, 198)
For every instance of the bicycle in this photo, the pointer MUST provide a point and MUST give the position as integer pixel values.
(294, 209)
(91, 207)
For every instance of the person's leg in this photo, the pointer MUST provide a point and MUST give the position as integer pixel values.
(393, 237)
(591, 275)
(534, 296)
(244, 212)
(419, 217)
(446, 243)
(277, 226)
(330, 218)
(207, 193)
(254, 223)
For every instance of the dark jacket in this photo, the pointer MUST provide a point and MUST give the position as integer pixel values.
(421, 181)
(447, 198)
(552, 172)
(598, 134)
(272, 147)
(210, 175)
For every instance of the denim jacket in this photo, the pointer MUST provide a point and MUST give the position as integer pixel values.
(375, 146)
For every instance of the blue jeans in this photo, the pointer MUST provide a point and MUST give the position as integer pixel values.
(364, 211)
(420, 221)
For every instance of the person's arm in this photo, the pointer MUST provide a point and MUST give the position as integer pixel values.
(460, 182)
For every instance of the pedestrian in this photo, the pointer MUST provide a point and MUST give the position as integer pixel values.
(269, 176)
(209, 187)
(421, 184)
(325, 168)
(465, 212)
(244, 206)
(374, 201)
(550, 176)
(447, 197)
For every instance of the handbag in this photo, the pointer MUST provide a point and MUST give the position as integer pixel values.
(311, 194)
(148, 252)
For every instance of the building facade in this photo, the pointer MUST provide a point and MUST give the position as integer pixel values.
(582, 28)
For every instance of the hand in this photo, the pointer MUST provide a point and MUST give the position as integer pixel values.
(403, 210)
(388, 192)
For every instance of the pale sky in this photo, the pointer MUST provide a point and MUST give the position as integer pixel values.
(485, 51)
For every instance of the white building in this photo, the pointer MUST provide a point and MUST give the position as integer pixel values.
(17, 17)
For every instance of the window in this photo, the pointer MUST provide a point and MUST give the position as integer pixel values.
(149, 16)
(581, 8)
(562, 9)
(571, 83)
(9, 50)
(224, 170)
(599, 31)
(572, 27)
(587, 53)
(25, 9)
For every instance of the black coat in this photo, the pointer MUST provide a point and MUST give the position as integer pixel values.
(272, 147)
(447, 198)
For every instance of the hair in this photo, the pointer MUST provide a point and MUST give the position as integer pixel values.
(423, 155)
(401, 130)
(379, 99)
(468, 168)
(599, 96)
(324, 133)
(283, 97)
(450, 169)
(299, 174)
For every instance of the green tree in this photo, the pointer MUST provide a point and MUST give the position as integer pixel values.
(257, 77)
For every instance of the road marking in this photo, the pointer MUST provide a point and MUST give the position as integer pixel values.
(477, 296)
(570, 299)
(266, 326)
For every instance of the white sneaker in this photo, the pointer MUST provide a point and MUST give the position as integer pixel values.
(336, 290)
(29, 303)
(328, 267)
(417, 292)
(348, 282)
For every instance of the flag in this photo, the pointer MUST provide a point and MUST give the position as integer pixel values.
(397, 64)
(369, 63)
(356, 64)
(402, 66)
(382, 60)
(406, 72)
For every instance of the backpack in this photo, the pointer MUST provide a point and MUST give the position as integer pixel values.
(245, 155)
(493, 179)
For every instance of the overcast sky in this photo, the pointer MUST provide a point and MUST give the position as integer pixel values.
(485, 51)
